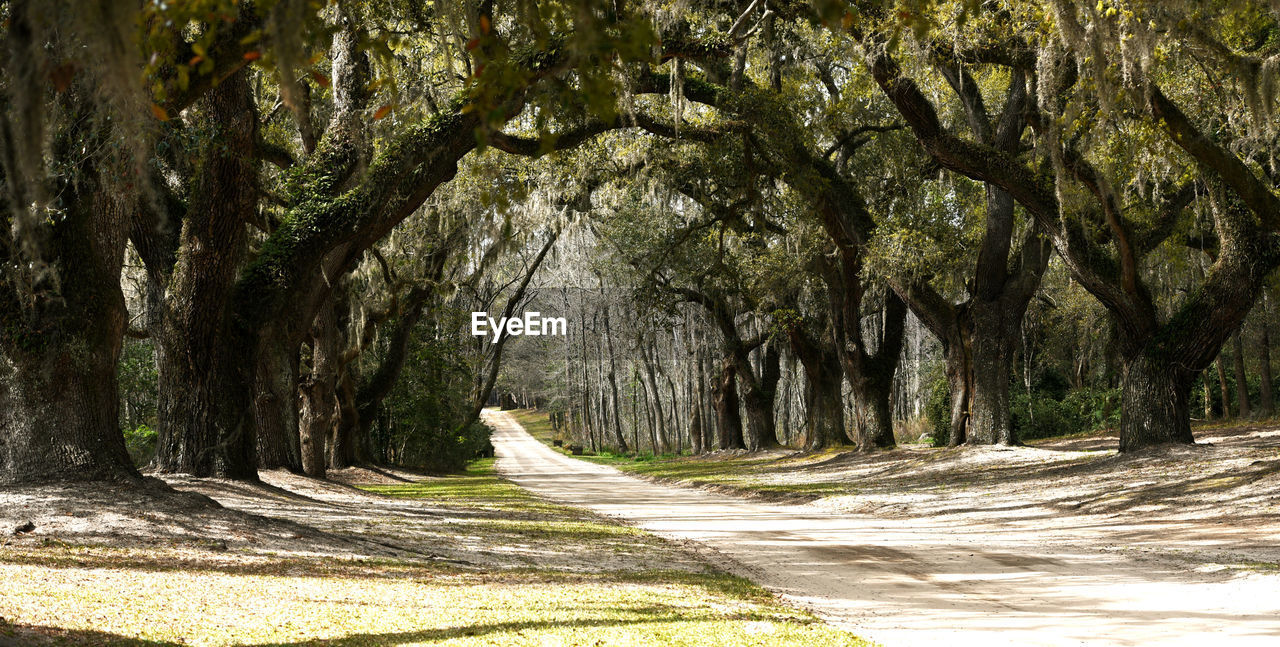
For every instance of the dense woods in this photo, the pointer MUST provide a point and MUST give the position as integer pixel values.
(244, 236)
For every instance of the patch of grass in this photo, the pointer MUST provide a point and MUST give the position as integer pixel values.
(747, 473)
(537, 423)
(96, 595)
(477, 487)
(115, 597)
(741, 472)
(521, 516)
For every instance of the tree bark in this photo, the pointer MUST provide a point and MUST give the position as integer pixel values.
(871, 374)
(875, 414)
(824, 378)
(655, 391)
(275, 407)
(992, 333)
(758, 397)
(1208, 395)
(59, 402)
(613, 382)
(319, 409)
(959, 369)
(695, 432)
(1266, 406)
(206, 381)
(725, 395)
(824, 422)
(344, 442)
(1154, 403)
(1242, 380)
(60, 410)
(62, 325)
(1222, 387)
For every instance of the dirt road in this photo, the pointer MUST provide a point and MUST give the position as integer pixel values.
(906, 582)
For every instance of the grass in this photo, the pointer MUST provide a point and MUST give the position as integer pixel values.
(512, 512)
(161, 595)
(478, 487)
(114, 598)
(739, 472)
(1256, 566)
(537, 423)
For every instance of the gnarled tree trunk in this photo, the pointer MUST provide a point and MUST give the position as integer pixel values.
(824, 379)
(275, 406)
(824, 404)
(206, 405)
(1154, 403)
(59, 405)
(724, 393)
(992, 330)
(318, 413)
(758, 397)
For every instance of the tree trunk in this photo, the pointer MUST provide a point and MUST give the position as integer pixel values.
(959, 381)
(655, 392)
(705, 441)
(1222, 387)
(824, 378)
(613, 385)
(1242, 381)
(275, 407)
(758, 398)
(344, 445)
(725, 394)
(59, 408)
(1208, 395)
(871, 374)
(695, 433)
(1154, 403)
(59, 344)
(1266, 405)
(318, 413)
(991, 365)
(875, 414)
(206, 387)
(824, 423)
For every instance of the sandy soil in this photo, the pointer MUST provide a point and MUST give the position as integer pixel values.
(1065, 544)
(291, 515)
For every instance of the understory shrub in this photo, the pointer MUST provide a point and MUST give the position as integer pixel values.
(938, 409)
(440, 449)
(1039, 415)
(424, 419)
(141, 443)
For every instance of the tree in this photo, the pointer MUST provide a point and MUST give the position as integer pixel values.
(74, 139)
(1101, 221)
(336, 207)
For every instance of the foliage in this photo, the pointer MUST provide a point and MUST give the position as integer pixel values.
(1040, 415)
(137, 377)
(938, 408)
(425, 413)
(141, 443)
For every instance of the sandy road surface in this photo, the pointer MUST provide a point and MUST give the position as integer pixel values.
(905, 582)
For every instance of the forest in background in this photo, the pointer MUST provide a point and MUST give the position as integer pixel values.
(249, 236)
